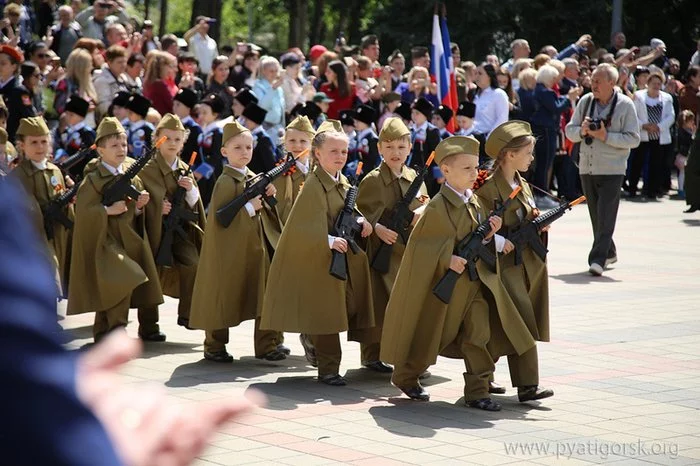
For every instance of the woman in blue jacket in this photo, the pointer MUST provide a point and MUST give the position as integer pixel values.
(545, 121)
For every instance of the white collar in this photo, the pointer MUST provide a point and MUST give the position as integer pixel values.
(464, 196)
(303, 167)
(187, 119)
(364, 132)
(242, 171)
(174, 164)
(335, 178)
(114, 171)
(78, 127)
(423, 127)
(43, 165)
(136, 125)
(210, 127)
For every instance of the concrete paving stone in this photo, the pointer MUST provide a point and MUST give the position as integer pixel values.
(621, 370)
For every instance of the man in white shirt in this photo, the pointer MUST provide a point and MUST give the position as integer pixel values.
(201, 45)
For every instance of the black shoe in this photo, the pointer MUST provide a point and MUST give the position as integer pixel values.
(182, 322)
(155, 336)
(378, 366)
(533, 392)
(496, 388)
(424, 375)
(219, 356)
(284, 349)
(545, 203)
(273, 355)
(691, 209)
(335, 380)
(417, 393)
(309, 350)
(487, 404)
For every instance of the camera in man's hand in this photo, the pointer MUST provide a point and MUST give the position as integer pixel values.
(593, 125)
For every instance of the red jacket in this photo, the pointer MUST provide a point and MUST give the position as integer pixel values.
(161, 94)
(339, 103)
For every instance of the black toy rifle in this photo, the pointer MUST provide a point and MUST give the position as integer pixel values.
(174, 221)
(472, 249)
(121, 187)
(255, 187)
(346, 227)
(54, 211)
(529, 232)
(67, 164)
(400, 219)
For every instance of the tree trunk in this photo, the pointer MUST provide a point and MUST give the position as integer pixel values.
(211, 9)
(317, 26)
(163, 23)
(354, 21)
(298, 17)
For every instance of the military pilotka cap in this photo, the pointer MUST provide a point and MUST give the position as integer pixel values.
(233, 129)
(330, 126)
(170, 121)
(394, 128)
(302, 123)
(505, 133)
(34, 126)
(456, 145)
(109, 126)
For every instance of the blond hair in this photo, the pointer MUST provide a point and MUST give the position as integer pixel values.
(79, 69)
(528, 79)
(513, 145)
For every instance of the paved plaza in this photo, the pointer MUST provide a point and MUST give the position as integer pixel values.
(624, 362)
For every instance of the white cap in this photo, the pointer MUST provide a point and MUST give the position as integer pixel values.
(656, 43)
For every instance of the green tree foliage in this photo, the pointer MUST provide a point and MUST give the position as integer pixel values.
(478, 26)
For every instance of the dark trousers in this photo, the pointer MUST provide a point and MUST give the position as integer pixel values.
(603, 198)
(654, 156)
(566, 172)
(545, 151)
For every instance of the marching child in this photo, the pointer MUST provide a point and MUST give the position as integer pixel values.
(380, 191)
(234, 262)
(303, 296)
(43, 182)
(168, 179)
(419, 326)
(112, 267)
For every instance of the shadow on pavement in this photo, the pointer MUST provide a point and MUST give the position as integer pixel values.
(423, 419)
(691, 222)
(583, 278)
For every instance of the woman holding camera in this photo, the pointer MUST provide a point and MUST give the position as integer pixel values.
(418, 85)
(339, 88)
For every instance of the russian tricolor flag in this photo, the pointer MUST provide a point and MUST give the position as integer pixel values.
(442, 67)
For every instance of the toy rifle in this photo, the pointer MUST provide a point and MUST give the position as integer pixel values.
(69, 163)
(400, 219)
(472, 249)
(173, 222)
(121, 187)
(255, 187)
(346, 227)
(54, 211)
(529, 232)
